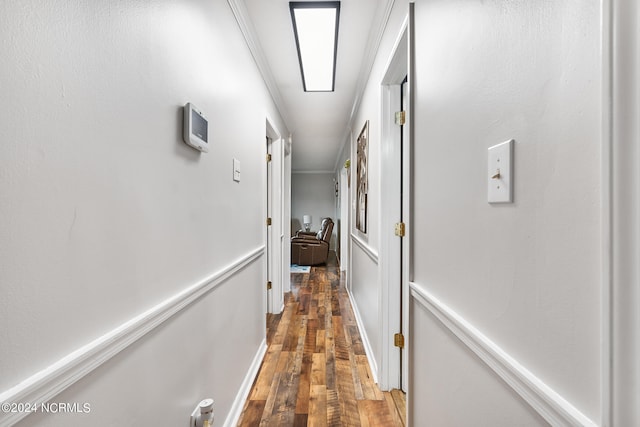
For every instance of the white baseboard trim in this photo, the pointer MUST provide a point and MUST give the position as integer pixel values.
(544, 400)
(373, 364)
(245, 388)
(365, 247)
(46, 384)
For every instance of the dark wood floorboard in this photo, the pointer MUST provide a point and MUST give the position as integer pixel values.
(315, 371)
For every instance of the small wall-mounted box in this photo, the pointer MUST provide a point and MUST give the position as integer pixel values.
(195, 130)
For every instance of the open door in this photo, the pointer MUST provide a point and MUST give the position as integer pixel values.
(404, 219)
(269, 225)
(275, 213)
(344, 219)
(393, 216)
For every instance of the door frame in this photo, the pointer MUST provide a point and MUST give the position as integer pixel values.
(274, 267)
(345, 226)
(621, 213)
(392, 265)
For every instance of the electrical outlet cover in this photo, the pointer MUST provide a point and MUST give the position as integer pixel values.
(194, 416)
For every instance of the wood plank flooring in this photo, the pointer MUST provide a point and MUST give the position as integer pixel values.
(315, 371)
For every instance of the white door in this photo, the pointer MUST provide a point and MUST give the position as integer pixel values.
(394, 248)
(268, 223)
(344, 219)
(404, 204)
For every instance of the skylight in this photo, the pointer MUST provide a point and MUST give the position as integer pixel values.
(315, 25)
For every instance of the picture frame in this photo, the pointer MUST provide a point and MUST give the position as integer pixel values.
(362, 176)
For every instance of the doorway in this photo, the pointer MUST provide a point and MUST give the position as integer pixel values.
(274, 221)
(345, 228)
(394, 219)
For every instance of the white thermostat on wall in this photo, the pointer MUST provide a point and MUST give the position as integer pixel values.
(196, 128)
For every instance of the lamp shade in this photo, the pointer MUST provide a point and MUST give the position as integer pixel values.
(306, 219)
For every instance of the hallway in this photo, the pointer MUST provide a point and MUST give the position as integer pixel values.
(135, 268)
(315, 371)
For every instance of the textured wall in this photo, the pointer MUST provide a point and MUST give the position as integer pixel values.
(105, 212)
(527, 275)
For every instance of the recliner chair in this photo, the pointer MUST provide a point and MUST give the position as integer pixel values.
(309, 249)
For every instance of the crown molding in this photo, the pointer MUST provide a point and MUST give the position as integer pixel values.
(239, 9)
(373, 44)
(44, 385)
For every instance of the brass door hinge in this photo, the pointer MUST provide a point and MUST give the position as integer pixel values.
(269, 285)
(398, 340)
(401, 118)
(268, 157)
(268, 221)
(400, 229)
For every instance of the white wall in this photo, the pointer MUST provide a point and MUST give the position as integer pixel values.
(452, 387)
(106, 213)
(518, 285)
(365, 285)
(313, 194)
(526, 276)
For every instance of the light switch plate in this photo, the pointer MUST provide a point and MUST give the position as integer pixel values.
(500, 173)
(236, 170)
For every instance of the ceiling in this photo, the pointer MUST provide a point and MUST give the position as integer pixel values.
(319, 122)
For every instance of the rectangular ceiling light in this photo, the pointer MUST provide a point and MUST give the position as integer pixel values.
(315, 25)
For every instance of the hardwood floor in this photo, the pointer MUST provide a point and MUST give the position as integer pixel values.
(315, 371)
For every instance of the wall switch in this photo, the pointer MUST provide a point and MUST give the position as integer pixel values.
(500, 173)
(236, 170)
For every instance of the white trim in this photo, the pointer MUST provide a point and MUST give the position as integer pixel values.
(542, 398)
(273, 198)
(622, 37)
(389, 204)
(606, 206)
(408, 214)
(46, 384)
(344, 220)
(366, 248)
(245, 388)
(375, 38)
(373, 363)
(398, 60)
(239, 10)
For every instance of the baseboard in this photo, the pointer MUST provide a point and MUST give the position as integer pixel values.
(245, 388)
(373, 364)
(46, 384)
(544, 400)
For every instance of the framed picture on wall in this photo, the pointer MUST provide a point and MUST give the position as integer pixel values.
(362, 178)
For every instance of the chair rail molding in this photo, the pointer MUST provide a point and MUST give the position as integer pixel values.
(372, 253)
(51, 381)
(542, 398)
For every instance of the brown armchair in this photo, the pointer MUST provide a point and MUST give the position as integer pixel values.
(312, 249)
(313, 234)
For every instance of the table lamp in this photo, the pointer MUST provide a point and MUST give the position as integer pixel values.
(306, 220)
